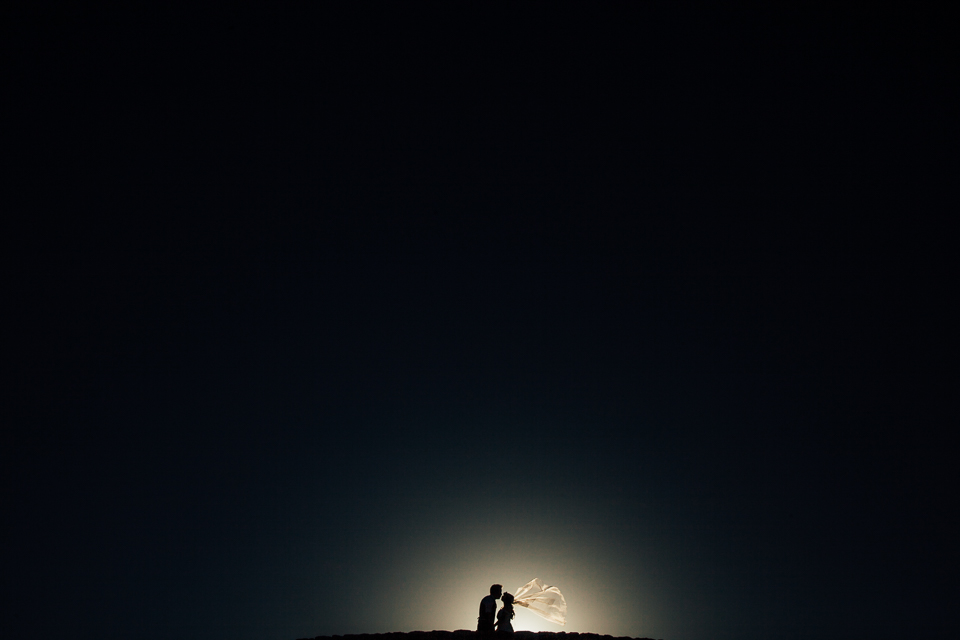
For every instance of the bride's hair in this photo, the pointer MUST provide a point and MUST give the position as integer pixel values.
(507, 600)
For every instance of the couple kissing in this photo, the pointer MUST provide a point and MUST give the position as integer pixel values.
(488, 612)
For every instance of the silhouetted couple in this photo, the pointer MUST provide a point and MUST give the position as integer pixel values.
(488, 612)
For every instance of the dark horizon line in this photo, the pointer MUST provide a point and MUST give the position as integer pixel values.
(463, 633)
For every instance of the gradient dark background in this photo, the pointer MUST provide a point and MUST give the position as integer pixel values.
(320, 322)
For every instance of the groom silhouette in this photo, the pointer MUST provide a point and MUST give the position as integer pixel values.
(488, 608)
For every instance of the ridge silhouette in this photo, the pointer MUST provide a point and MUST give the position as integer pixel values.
(465, 634)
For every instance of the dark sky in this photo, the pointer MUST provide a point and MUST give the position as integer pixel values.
(320, 322)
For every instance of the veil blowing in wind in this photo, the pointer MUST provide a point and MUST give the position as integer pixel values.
(546, 602)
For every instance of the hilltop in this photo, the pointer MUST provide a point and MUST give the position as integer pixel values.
(464, 634)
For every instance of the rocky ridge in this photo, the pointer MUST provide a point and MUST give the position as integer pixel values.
(465, 634)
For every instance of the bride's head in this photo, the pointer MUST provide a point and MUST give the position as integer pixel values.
(506, 599)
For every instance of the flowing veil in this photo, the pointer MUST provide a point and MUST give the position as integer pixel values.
(546, 602)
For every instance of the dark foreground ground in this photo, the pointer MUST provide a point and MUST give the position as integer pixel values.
(463, 634)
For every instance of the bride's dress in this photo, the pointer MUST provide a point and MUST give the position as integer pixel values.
(503, 620)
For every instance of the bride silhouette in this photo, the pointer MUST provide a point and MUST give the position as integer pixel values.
(505, 615)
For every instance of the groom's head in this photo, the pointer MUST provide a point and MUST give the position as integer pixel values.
(496, 590)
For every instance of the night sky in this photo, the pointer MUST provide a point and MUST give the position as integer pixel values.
(322, 321)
